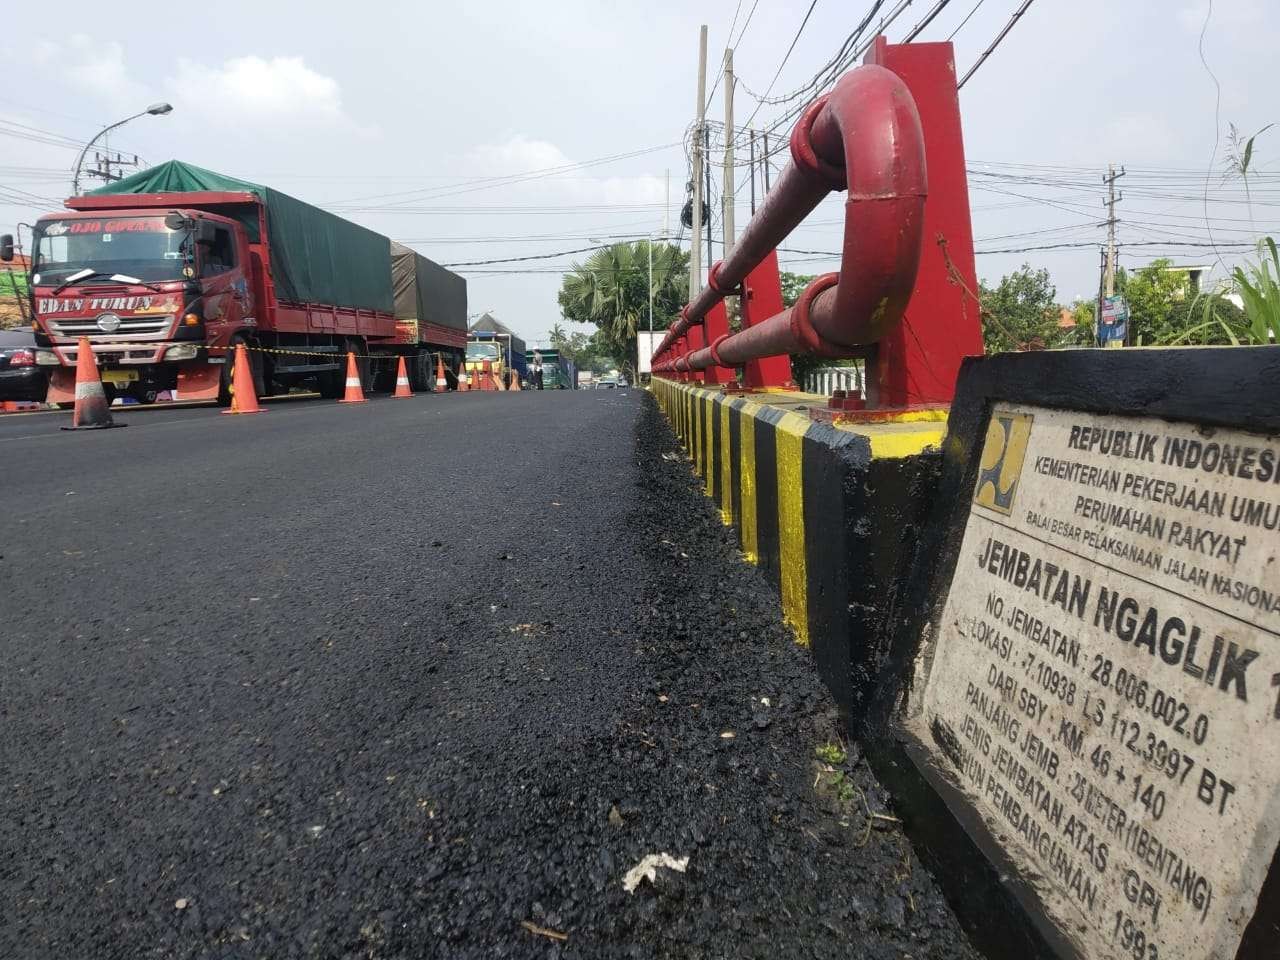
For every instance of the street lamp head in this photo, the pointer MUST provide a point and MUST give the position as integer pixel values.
(159, 109)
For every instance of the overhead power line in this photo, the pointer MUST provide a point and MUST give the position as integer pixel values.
(469, 185)
(785, 57)
(928, 19)
(953, 33)
(1017, 15)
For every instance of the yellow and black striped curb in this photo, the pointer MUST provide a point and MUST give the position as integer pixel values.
(831, 513)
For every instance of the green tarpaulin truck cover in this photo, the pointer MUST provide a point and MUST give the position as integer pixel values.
(426, 291)
(316, 257)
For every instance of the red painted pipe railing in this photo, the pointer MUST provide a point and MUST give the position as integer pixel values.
(864, 136)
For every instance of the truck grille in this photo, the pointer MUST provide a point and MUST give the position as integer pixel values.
(130, 327)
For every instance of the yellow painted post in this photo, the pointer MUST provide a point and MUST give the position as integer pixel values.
(747, 480)
(793, 575)
(709, 444)
(726, 467)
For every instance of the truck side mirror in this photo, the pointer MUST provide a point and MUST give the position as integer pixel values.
(205, 233)
(175, 221)
(6, 247)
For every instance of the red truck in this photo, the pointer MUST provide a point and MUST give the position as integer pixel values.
(167, 270)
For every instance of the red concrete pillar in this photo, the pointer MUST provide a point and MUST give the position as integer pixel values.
(918, 363)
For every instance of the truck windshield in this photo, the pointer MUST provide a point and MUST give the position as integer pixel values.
(482, 351)
(141, 247)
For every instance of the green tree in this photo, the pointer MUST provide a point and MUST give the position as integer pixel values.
(793, 285)
(1151, 293)
(1085, 331)
(576, 346)
(1021, 312)
(1164, 308)
(611, 290)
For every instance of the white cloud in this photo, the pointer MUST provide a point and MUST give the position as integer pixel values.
(572, 183)
(515, 155)
(281, 88)
(89, 66)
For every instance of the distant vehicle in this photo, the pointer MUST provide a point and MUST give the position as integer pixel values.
(492, 341)
(20, 378)
(557, 373)
(610, 381)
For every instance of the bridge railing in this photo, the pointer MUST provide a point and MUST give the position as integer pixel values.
(886, 129)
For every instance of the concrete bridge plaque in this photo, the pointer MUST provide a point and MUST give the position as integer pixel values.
(1097, 687)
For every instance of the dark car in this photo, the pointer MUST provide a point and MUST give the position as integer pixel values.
(20, 378)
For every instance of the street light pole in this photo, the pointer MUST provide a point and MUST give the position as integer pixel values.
(155, 110)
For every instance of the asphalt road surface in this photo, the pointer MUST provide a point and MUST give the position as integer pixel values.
(417, 678)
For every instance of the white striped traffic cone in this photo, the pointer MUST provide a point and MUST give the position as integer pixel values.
(92, 412)
(355, 392)
(402, 383)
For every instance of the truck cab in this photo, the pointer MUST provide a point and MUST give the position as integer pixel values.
(158, 293)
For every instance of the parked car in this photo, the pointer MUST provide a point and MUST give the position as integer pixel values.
(610, 381)
(20, 378)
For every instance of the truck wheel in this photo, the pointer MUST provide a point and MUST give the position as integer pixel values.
(331, 385)
(422, 376)
(382, 374)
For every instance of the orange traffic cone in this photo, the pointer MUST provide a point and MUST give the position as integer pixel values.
(486, 376)
(515, 380)
(499, 382)
(442, 384)
(355, 392)
(244, 395)
(463, 385)
(92, 411)
(402, 383)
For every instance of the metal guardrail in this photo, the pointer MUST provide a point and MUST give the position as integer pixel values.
(886, 130)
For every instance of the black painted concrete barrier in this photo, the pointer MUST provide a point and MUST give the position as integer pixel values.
(832, 513)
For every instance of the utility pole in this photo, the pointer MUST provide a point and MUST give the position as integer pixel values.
(711, 257)
(1110, 203)
(726, 198)
(695, 254)
(666, 209)
(765, 160)
(752, 166)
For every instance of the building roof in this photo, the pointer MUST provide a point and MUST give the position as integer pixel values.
(488, 324)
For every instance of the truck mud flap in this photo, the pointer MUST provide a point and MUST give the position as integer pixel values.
(198, 382)
(62, 386)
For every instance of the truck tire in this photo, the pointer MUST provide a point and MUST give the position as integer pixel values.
(331, 385)
(144, 395)
(422, 375)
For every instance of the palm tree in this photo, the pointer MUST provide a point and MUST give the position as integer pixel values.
(611, 290)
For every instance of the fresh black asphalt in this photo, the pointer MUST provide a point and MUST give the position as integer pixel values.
(418, 678)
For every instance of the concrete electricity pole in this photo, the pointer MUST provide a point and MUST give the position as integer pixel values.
(1110, 203)
(726, 199)
(695, 252)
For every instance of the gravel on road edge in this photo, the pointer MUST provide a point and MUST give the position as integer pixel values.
(730, 756)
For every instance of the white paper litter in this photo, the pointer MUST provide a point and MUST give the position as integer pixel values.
(648, 868)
